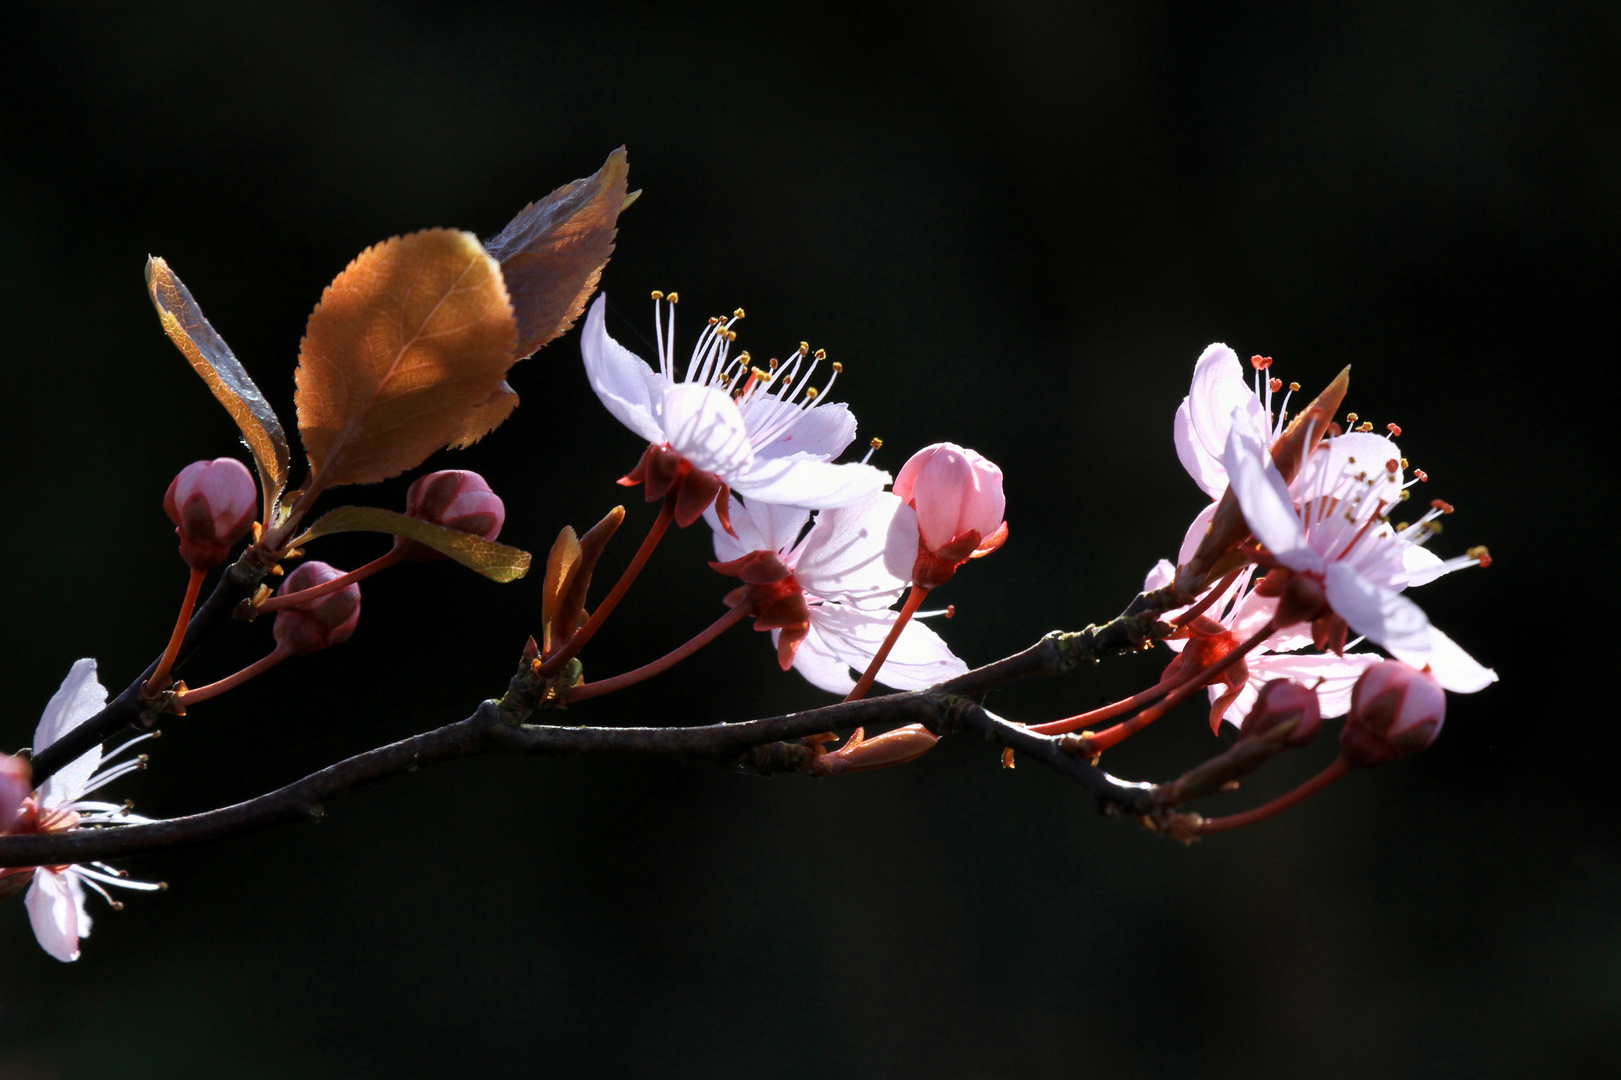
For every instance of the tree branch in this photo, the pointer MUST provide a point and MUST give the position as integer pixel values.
(499, 727)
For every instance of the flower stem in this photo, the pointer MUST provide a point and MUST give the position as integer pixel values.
(669, 660)
(553, 663)
(394, 556)
(160, 678)
(1109, 712)
(1336, 769)
(258, 667)
(914, 600)
(1110, 736)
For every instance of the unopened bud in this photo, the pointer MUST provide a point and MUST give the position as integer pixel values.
(1280, 701)
(1395, 710)
(957, 495)
(211, 504)
(314, 625)
(456, 499)
(16, 781)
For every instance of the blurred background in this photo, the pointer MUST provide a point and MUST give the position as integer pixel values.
(1017, 228)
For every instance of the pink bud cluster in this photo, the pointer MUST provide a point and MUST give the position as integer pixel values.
(212, 505)
(316, 624)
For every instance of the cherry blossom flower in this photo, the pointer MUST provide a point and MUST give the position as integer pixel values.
(825, 597)
(723, 425)
(1339, 553)
(56, 894)
(1231, 620)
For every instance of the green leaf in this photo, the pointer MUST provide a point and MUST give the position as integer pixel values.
(495, 561)
(184, 323)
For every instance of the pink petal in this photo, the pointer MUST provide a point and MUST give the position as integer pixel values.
(804, 480)
(79, 697)
(1391, 620)
(816, 662)
(1264, 499)
(824, 431)
(919, 660)
(55, 905)
(760, 526)
(702, 424)
(1219, 398)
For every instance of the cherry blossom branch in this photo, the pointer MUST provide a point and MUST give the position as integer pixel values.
(498, 727)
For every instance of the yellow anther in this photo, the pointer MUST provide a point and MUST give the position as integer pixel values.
(1366, 425)
(1401, 526)
(658, 294)
(810, 393)
(1294, 386)
(837, 366)
(731, 335)
(1350, 418)
(738, 314)
(1435, 528)
(758, 374)
(821, 354)
(1405, 495)
(1404, 463)
(876, 443)
(804, 347)
(744, 357)
(1478, 552)
(673, 297)
(713, 320)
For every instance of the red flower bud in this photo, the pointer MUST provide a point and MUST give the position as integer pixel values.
(456, 499)
(1281, 700)
(1395, 710)
(313, 625)
(957, 495)
(211, 504)
(16, 781)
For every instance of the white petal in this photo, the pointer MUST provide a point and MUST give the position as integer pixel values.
(1219, 398)
(1338, 674)
(805, 480)
(1160, 576)
(919, 660)
(702, 424)
(56, 911)
(816, 662)
(1196, 533)
(1420, 566)
(760, 526)
(1395, 622)
(1453, 668)
(623, 382)
(851, 552)
(1264, 499)
(1348, 455)
(80, 697)
(824, 431)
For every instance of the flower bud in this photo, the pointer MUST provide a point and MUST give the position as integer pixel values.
(1395, 710)
(1282, 700)
(16, 781)
(957, 495)
(456, 499)
(313, 625)
(211, 504)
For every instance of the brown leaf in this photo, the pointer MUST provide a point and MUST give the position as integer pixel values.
(485, 418)
(497, 562)
(553, 252)
(576, 579)
(208, 354)
(409, 340)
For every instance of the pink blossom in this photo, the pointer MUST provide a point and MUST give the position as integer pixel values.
(1395, 710)
(1339, 543)
(766, 434)
(825, 597)
(212, 505)
(957, 495)
(56, 894)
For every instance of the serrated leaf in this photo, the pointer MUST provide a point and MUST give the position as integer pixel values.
(495, 561)
(552, 253)
(485, 418)
(211, 358)
(405, 344)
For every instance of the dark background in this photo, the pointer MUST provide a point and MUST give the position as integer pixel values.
(1018, 230)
